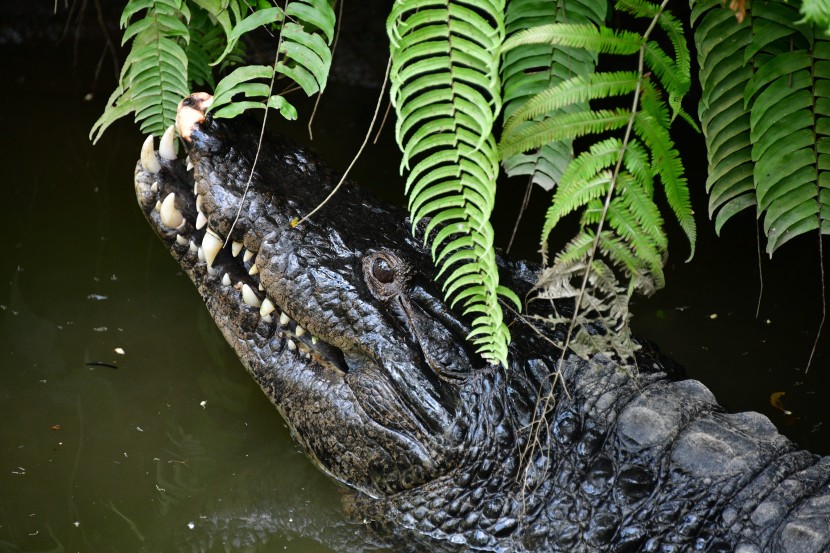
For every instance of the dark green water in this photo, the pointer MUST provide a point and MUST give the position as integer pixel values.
(177, 444)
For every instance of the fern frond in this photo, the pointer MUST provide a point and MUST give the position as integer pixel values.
(529, 69)
(766, 117)
(589, 37)
(154, 76)
(562, 126)
(612, 182)
(665, 161)
(307, 57)
(576, 90)
(446, 90)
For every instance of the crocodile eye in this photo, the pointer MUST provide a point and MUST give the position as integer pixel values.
(382, 271)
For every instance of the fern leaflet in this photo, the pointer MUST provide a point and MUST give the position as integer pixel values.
(445, 87)
(154, 77)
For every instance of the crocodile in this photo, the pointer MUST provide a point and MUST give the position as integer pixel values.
(340, 322)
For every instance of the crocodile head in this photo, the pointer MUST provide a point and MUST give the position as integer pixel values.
(337, 318)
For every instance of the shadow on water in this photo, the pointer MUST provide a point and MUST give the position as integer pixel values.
(176, 448)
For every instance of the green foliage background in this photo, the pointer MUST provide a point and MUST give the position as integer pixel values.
(548, 91)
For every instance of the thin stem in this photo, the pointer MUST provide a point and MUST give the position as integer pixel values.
(823, 300)
(525, 201)
(359, 151)
(333, 48)
(261, 130)
(760, 269)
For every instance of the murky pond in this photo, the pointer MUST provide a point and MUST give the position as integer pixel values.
(129, 425)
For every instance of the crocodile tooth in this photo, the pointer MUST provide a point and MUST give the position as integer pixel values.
(307, 356)
(284, 319)
(181, 240)
(193, 247)
(249, 297)
(211, 271)
(248, 255)
(158, 206)
(236, 247)
(238, 286)
(260, 287)
(154, 187)
(167, 149)
(189, 164)
(268, 319)
(148, 156)
(195, 186)
(201, 221)
(201, 254)
(170, 216)
(299, 331)
(254, 270)
(199, 203)
(314, 339)
(211, 244)
(267, 307)
(226, 279)
(291, 345)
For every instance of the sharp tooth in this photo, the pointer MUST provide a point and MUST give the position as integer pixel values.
(167, 148)
(199, 203)
(226, 279)
(248, 255)
(299, 331)
(211, 271)
(260, 287)
(211, 244)
(267, 307)
(154, 187)
(170, 216)
(249, 297)
(268, 319)
(238, 285)
(308, 356)
(158, 206)
(201, 254)
(254, 270)
(195, 188)
(181, 240)
(193, 247)
(291, 345)
(148, 156)
(236, 247)
(201, 221)
(189, 164)
(284, 319)
(314, 339)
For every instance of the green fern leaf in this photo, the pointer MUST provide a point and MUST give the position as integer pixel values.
(723, 77)
(529, 69)
(562, 126)
(601, 40)
(446, 90)
(257, 19)
(577, 90)
(154, 77)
